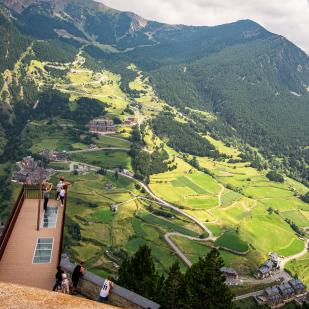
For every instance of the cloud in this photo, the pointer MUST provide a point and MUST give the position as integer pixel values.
(289, 18)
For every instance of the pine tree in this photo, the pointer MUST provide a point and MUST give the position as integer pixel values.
(205, 287)
(172, 292)
(139, 274)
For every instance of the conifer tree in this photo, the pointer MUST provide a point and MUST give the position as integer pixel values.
(173, 288)
(205, 287)
(139, 274)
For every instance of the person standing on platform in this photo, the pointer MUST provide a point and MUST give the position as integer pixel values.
(59, 186)
(62, 195)
(47, 188)
(58, 278)
(76, 275)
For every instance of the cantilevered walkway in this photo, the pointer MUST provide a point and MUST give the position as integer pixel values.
(30, 246)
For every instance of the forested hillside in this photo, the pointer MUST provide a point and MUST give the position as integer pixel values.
(255, 82)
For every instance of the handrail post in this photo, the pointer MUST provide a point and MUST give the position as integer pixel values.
(62, 226)
(39, 216)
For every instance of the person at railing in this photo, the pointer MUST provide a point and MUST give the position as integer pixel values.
(59, 186)
(62, 195)
(107, 286)
(58, 276)
(76, 275)
(47, 187)
(65, 284)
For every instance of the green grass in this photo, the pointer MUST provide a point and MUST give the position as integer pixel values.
(107, 159)
(193, 191)
(229, 197)
(270, 233)
(248, 303)
(296, 216)
(231, 240)
(88, 205)
(59, 165)
(194, 249)
(187, 182)
(166, 223)
(109, 141)
(300, 268)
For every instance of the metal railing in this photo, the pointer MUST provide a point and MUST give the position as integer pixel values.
(36, 192)
(11, 222)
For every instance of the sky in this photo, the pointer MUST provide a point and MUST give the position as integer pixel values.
(289, 18)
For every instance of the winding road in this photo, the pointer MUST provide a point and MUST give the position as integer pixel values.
(210, 237)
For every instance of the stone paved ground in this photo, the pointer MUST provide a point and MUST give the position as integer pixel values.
(21, 297)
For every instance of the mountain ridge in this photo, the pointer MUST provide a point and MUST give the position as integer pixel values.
(253, 80)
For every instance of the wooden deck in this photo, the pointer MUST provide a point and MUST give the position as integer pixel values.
(16, 265)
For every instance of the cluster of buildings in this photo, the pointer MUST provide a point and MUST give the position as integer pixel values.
(102, 126)
(32, 172)
(286, 292)
(269, 267)
(107, 126)
(51, 155)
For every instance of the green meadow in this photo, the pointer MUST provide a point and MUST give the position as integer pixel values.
(231, 240)
(300, 268)
(107, 237)
(106, 158)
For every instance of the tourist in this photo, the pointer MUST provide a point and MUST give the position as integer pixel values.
(58, 276)
(60, 185)
(107, 286)
(65, 284)
(47, 188)
(77, 273)
(62, 196)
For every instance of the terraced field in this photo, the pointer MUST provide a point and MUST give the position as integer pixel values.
(105, 235)
(106, 158)
(239, 214)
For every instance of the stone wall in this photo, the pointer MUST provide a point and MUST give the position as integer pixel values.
(90, 286)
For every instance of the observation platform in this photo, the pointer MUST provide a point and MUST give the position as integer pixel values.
(30, 246)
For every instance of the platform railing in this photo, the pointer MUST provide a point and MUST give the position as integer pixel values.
(6, 234)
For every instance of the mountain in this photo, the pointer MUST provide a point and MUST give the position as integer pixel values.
(255, 82)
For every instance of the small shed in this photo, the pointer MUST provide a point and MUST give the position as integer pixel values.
(229, 273)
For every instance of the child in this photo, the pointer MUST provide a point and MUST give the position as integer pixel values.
(107, 286)
(59, 187)
(65, 284)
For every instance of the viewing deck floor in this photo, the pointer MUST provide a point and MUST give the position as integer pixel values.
(17, 264)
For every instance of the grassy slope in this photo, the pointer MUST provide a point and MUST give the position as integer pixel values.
(130, 227)
(192, 190)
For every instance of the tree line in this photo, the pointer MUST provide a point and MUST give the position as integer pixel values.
(201, 286)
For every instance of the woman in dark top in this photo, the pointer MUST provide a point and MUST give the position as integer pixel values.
(77, 273)
(58, 278)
